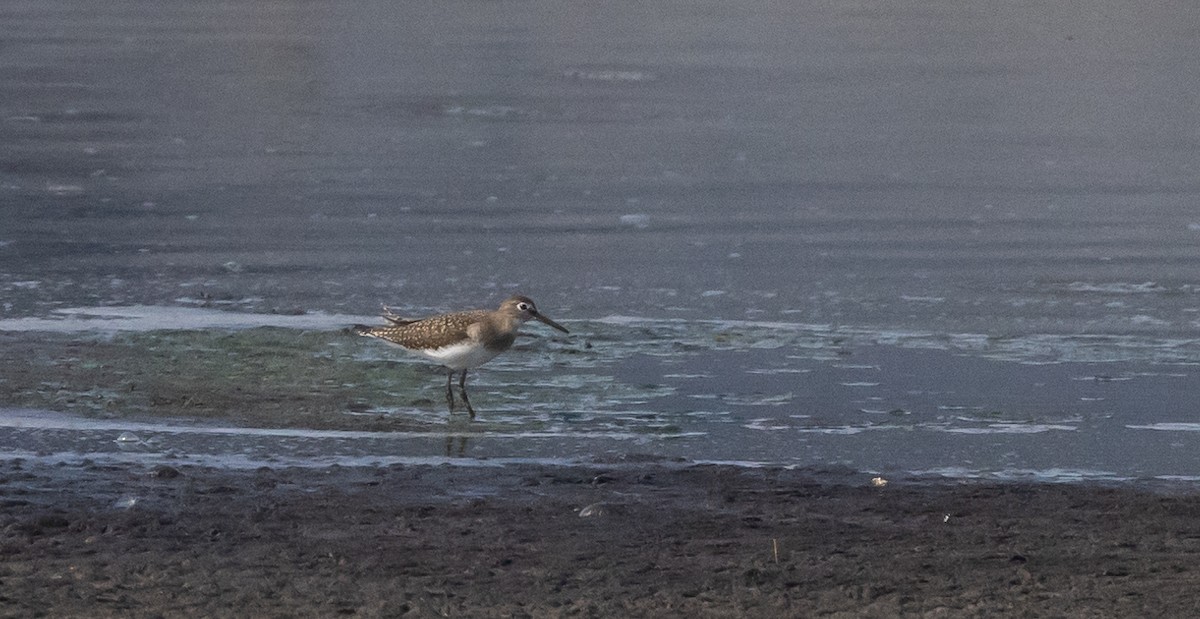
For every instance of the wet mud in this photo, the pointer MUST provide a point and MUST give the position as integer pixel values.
(630, 539)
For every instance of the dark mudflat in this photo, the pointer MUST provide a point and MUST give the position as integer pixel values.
(102, 540)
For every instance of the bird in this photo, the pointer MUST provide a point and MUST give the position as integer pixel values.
(460, 341)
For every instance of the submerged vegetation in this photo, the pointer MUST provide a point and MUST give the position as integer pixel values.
(263, 376)
(319, 379)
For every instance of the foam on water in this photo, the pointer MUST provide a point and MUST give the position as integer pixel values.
(1012, 428)
(1054, 475)
(163, 318)
(67, 437)
(1168, 427)
(129, 430)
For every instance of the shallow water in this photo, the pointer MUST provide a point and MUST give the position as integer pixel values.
(902, 404)
(945, 236)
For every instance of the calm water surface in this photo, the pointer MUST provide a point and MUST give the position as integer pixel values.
(945, 236)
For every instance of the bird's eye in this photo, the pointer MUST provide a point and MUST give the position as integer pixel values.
(523, 306)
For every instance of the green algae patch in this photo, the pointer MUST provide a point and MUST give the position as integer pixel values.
(325, 379)
(266, 377)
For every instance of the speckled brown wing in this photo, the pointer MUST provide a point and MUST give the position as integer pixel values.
(432, 332)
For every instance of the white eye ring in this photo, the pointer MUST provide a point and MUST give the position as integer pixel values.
(523, 306)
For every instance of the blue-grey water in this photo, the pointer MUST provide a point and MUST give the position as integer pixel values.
(950, 237)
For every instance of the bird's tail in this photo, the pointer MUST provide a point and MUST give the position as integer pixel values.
(396, 319)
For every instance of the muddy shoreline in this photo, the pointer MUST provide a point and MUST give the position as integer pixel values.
(634, 539)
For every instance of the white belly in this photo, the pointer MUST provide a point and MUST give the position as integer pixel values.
(461, 356)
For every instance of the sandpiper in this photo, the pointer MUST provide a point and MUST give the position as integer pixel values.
(460, 340)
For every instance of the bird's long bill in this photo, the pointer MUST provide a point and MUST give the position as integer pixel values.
(551, 323)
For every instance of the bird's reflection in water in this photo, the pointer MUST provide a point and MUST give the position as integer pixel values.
(456, 446)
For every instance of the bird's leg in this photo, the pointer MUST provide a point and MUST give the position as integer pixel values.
(450, 390)
(462, 387)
